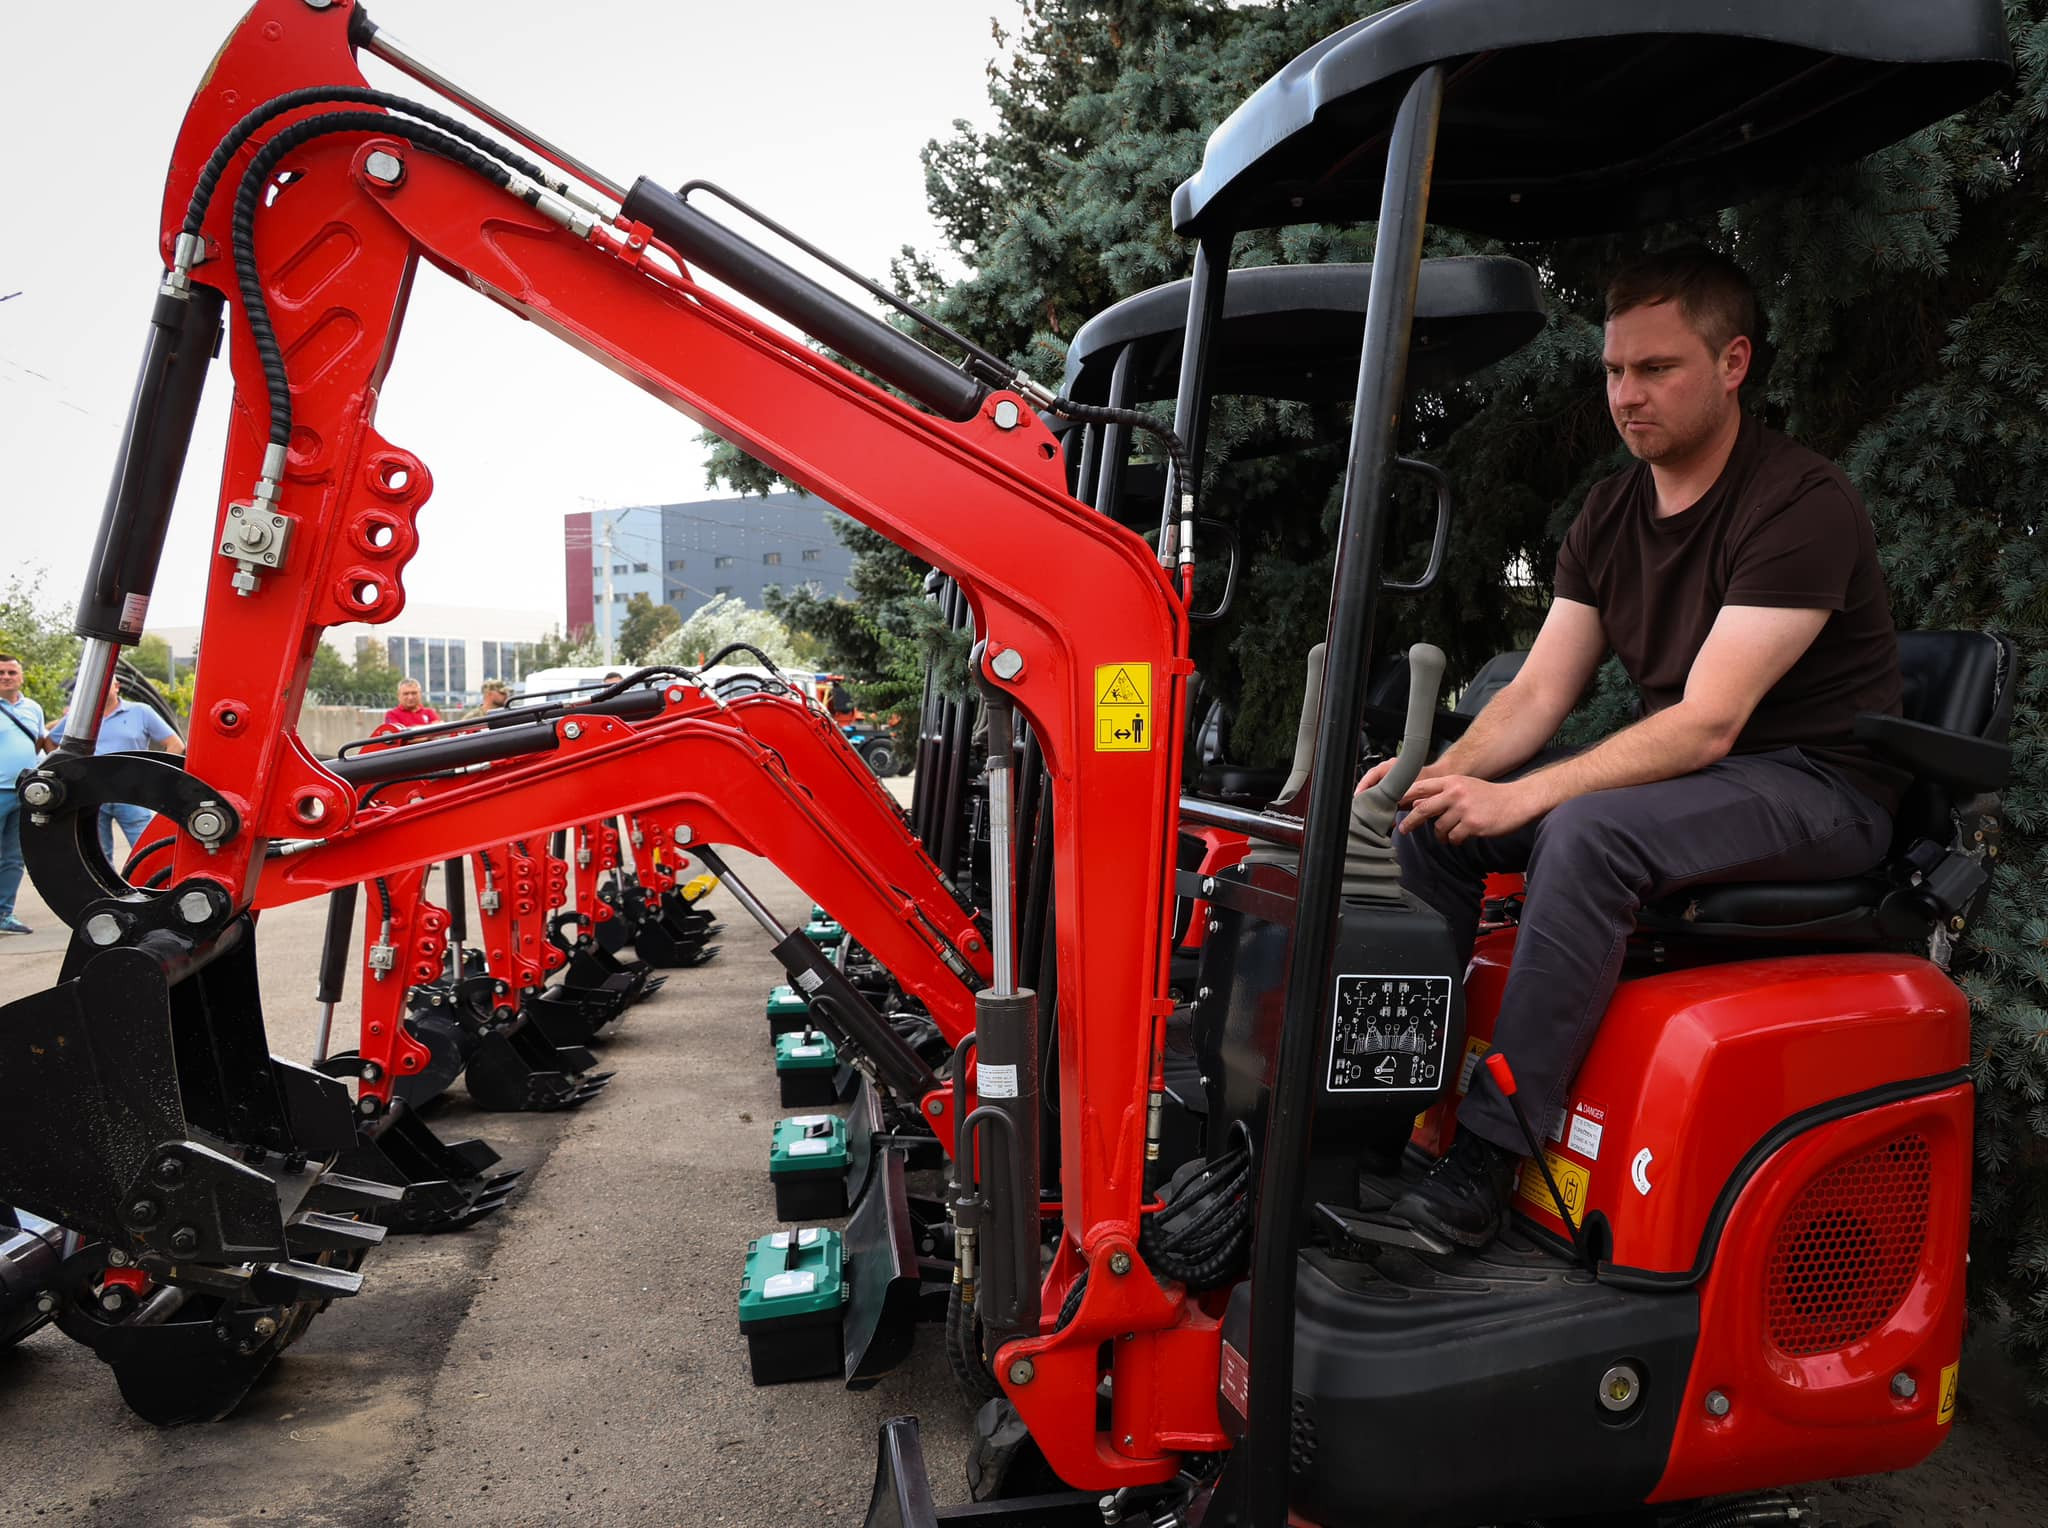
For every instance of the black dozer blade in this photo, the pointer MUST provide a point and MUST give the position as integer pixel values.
(902, 1496)
(882, 1267)
(516, 1067)
(446, 1185)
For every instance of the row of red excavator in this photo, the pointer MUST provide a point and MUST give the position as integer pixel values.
(1114, 1051)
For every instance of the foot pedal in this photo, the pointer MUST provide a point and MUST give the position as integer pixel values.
(1363, 1235)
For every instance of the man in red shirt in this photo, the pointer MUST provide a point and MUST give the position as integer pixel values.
(412, 709)
(1734, 573)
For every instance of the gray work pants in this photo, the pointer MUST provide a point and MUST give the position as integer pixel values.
(1592, 862)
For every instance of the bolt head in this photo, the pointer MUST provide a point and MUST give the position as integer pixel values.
(934, 1107)
(46, 1302)
(1620, 1388)
(195, 907)
(1904, 1386)
(1119, 1263)
(142, 1212)
(110, 1302)
(169, 1170)
(244, 582)
(266, 1326)
(1007, 664)
(1718, 1404)
(103, 929)
(572, 729)
(116, 1258)
(184, 1241)
(39, 793)
(207, 822)
(384, 167)
(1021, 1372)
(1006, 414)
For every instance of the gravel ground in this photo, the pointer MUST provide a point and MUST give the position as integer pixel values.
(575, 1358)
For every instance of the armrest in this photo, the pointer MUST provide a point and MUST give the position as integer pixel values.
(1954, 759)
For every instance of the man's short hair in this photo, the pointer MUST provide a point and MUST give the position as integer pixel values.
(8, 658)
(1711, 290)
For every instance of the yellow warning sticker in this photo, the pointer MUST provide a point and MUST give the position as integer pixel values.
(1572, 1181)
(1946, 1411)
(1123, 708)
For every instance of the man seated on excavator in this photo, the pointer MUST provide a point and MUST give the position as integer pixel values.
(1734, 572)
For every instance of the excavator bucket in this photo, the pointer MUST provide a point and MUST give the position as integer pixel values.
(447, 1184)
(517, 1066)
(139, 1108)
(902, 1497)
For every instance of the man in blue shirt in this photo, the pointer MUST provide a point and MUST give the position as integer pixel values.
(126, 727)
(22, 741)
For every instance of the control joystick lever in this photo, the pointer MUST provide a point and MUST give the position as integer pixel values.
(1369, 867)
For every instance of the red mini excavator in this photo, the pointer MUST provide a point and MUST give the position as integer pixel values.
(1673, 1330)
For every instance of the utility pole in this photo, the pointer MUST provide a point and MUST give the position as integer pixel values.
(611, 611)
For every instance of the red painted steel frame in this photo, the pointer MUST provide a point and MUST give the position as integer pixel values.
(419, 940)
(1064, 588)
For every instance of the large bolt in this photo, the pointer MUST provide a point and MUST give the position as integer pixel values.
(934, 1107)
(1119, 1263)
(1620, 1388)
(103, 929)
(266, 1326)
(195, 907)
(185, 1241)
(1006, 414)
(112, 1301)
(208, 822)
(40, 793)
(169, 1170)
(384, 167)
(116, 1258)
(572, 730)
(1007, 664)
(46, 1303)
(1021, 1372)
(142, 1212)
(1904, 1386)
(1718, 1404)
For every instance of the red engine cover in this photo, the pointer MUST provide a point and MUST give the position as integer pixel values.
(1693, 1069)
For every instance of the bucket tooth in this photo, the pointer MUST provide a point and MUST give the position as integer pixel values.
(291, 1281)
(339, 1193)
(310, 1233)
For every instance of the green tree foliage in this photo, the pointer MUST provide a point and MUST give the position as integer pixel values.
(39, 634)
(645, 625)
(152, 656)
(369, 681)
(721, 620)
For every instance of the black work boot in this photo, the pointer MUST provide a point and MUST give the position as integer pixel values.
(1465, 1197)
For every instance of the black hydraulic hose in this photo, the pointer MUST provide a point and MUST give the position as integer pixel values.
(1183, 483)
(314, 95)
(254, 304)
(384, 898)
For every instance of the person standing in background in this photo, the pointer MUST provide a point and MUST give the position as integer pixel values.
(412, 709)
(23, 740)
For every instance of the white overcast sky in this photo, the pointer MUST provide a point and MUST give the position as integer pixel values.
(813, 109)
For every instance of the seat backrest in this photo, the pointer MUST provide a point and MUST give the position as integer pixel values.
(1495, 675)
(1959, 681)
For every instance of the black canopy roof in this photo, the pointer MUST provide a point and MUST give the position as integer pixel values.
(1584, 116)
(1294, 331)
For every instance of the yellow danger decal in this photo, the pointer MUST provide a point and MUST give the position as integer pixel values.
(1946, 1411)
(1123, 708)
(1572, 1182)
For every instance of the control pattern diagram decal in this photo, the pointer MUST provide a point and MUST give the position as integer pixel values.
(1389, 1034)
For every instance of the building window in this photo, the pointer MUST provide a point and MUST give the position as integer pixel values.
(723, 589)
(639, 567)
(771, 559)
(721, 562)
(812, 554)
(618, 568)
(677, 564)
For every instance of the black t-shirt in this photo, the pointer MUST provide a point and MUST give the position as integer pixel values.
(1782, 526)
